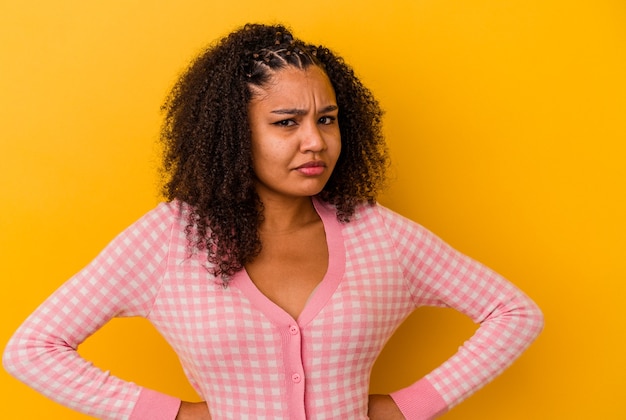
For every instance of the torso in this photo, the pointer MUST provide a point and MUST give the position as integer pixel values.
(290, 266)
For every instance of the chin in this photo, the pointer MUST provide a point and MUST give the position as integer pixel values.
(311, 190)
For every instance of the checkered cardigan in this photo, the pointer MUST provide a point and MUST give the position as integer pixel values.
(247, 357)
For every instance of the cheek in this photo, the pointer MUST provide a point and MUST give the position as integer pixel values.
(268, 155)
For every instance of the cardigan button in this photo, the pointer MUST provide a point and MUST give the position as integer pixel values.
(296, 377)
(293, 330)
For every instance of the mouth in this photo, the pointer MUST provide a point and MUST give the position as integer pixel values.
(312, 168)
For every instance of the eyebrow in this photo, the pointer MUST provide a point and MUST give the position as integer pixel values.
(296, 111)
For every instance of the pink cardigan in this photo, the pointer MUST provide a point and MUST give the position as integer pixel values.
(246, 356)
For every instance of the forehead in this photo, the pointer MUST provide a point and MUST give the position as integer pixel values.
(292, 83)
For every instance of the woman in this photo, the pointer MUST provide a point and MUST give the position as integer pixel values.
(271, 270)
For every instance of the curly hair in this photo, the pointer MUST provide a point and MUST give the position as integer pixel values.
(207, 159)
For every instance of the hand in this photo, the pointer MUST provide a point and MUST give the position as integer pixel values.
(382, 407)
(193, 411)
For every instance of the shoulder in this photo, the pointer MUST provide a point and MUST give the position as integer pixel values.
(401, 230)
(370, 217)
(378, 213)
(168, 212)
(363, 213)
(164, 219)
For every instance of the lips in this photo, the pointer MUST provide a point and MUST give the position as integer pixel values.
(312, 168)
(312, 164)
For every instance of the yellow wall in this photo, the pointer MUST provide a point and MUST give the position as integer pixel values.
(507, 124)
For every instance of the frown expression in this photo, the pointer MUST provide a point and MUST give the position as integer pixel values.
(295, 133)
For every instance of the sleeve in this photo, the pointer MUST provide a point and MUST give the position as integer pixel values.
(122, 281)
(438, 275)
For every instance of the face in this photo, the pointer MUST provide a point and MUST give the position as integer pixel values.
(295, 133)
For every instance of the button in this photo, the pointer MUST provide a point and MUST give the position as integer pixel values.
(293, 330)
(296, 377)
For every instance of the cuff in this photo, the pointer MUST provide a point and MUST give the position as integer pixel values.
(420, 401)
(153, 405)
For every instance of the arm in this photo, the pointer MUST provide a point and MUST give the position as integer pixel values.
(193, 411)
(382, 407)
(122, 281)
(438, 275)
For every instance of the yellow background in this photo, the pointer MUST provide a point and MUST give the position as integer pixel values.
(506, 123)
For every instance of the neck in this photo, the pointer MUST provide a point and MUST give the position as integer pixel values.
(287, 216)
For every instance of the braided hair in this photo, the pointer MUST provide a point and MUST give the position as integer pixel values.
(207, 158)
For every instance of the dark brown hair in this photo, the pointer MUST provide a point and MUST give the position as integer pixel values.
(207, 161)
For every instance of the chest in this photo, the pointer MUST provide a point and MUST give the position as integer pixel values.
(345, 322)
(290, 267)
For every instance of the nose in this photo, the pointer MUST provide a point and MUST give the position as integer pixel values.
(312, 139)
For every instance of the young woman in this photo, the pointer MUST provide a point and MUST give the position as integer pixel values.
(270, 269)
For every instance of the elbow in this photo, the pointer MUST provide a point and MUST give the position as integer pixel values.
(20, 357)
(538, 320)
(532, 321)
(11, 358)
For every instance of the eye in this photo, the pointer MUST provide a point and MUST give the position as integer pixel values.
(327, 120)
(284, 123)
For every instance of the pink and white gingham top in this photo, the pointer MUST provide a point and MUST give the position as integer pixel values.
(246, 356)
